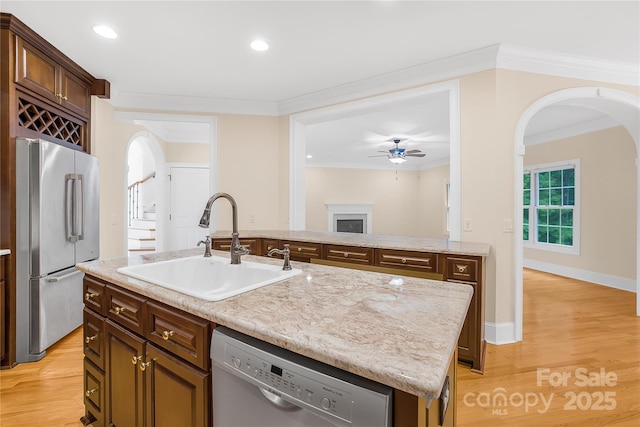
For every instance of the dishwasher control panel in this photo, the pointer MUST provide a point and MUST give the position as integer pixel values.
(341, 397)
(278, 378)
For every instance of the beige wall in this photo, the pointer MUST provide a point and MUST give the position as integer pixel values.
(431, 202)
(607, 201)
(411, 205)
(181, 152)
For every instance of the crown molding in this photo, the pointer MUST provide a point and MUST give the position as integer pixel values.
(572, 130)
(538, 61)
(498, 56)
(192, 104)
(419, 75)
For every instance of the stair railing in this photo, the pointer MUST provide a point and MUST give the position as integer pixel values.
(133, 191)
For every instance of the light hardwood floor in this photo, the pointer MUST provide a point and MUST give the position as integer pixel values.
(570, 328)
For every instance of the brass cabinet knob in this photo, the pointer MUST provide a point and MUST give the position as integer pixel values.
(299, 249)
(89, 339)
(118, 310)
(135, 359)
(144, 365)
(346, 255)
(90, 392)
(167, 334)
(461, 268)
(88, 296)
(404, 260)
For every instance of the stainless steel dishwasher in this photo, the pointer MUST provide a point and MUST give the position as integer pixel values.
(258, 384)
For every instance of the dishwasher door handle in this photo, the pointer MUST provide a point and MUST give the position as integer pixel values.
(279, 402)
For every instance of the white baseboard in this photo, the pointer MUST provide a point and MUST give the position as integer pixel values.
(500, 333)
(587, 276)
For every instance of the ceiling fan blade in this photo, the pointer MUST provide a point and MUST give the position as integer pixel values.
(415, 155)
(413, 151)
(380, 155)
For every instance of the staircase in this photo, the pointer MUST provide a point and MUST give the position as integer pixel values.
(142, 234)
(142, 228)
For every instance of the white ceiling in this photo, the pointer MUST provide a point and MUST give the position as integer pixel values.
(193, 52)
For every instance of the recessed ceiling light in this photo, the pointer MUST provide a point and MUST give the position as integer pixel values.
(105, 31)
(309, 156)
(259, 45)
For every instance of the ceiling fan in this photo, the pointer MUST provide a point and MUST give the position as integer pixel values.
(398, 155)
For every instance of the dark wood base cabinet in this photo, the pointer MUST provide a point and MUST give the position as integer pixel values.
(135, 371)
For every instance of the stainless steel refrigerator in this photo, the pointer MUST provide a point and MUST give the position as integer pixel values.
(57, 221)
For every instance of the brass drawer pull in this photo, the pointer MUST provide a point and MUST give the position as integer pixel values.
(89, 339)
(461, 268)
(118, 310)
(144, 366)
(299, 249)
(90, 392)
(135, 359)
(346, 255)
(88, 296)
(167, 334)
(404, 260)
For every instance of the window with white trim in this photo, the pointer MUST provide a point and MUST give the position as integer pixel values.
(551, 207)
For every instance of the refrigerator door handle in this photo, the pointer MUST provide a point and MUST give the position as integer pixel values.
(69, 196)
(79, 208)
(63, 277)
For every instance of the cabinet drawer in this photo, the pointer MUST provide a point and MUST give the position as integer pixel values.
(303, 249)
(407, 260)
(351, 254)
(125, 308)
(94, 393)
(94, 337)
(181, 333)
(94, 294)
(464, 269)
(268, 244)
(225, 245)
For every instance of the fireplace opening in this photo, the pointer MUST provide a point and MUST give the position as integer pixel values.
(350, 226)
(350, 218)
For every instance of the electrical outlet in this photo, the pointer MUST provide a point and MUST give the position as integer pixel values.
(507, 226)
(252, 219)
(466, 224)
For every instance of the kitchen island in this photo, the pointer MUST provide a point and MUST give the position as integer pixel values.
(354, 320)
(424, 257)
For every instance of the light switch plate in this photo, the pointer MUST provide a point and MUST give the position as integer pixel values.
(466, 224)
(507, 226)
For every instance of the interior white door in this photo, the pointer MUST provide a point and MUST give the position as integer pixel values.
(189, 192)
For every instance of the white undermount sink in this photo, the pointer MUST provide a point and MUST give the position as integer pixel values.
(210, 278)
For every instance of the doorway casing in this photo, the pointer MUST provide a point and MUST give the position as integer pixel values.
(297, 144)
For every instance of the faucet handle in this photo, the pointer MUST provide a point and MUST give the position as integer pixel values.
(207, 245)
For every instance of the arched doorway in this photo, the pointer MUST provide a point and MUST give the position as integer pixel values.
(623, 107)
(144, 194)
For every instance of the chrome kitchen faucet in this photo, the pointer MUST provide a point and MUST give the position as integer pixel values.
(236, 250)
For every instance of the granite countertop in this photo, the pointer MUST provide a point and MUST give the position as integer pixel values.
(349, 319)
(4, 252)
(420, 244)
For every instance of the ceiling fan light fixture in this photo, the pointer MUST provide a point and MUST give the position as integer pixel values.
(397, 160)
